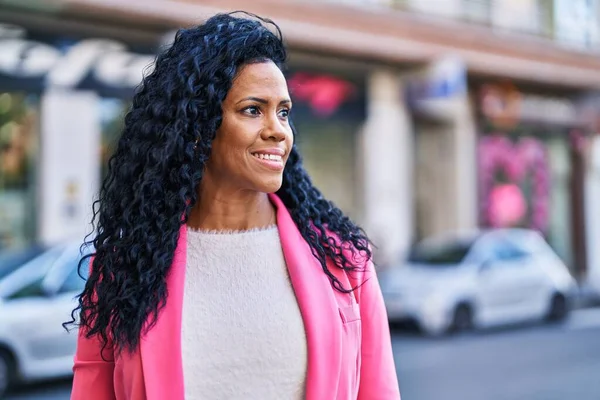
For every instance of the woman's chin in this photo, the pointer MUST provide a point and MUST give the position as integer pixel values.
(270, 185)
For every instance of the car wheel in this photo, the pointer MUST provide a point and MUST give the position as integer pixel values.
(462, 319)
(559, 309)
(6, 371)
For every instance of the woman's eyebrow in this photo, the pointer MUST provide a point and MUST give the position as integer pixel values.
(257, 99)
(262, 101)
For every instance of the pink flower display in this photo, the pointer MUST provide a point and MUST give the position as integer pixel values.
(505, 169)
(507, 205)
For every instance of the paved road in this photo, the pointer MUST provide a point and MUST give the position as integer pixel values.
(524, 363)
(528, 363)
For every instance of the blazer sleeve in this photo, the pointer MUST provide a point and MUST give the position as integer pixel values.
(378, 379)
(92, 374)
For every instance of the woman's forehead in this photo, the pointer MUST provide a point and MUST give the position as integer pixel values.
(263, 77)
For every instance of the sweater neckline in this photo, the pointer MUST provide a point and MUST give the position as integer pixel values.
(231, 232)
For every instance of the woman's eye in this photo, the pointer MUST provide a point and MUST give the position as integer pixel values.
(284, 113)
(252, 110)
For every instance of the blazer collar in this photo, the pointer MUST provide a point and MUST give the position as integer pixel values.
(160, 348)
(318, 307)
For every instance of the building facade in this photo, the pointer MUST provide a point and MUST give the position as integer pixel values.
(388, 103)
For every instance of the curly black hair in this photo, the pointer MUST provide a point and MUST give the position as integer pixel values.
(154, 174)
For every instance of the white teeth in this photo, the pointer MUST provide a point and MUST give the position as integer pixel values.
(272, 157)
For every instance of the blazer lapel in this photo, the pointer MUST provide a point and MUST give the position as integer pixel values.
(318, 307)
(160, 349)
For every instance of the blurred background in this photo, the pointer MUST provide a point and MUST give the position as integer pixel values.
(461, 134)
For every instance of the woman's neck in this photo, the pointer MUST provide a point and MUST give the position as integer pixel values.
(234, 211)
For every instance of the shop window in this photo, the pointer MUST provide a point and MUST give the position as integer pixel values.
(328, 152)
(19, 140)
(329, 109)
(112, 114)
(525, 182)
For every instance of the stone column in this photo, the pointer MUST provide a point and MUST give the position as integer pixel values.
(70, 164)
(465, 134)
(386, 147)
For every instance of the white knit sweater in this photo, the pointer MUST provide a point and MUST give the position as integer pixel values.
(242, 333)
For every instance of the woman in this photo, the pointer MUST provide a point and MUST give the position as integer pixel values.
(220, 271)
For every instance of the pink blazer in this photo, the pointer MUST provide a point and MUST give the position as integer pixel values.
(349, 347)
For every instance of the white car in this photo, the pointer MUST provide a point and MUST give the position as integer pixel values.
(480, 280)
(35, 300)
(12, 259)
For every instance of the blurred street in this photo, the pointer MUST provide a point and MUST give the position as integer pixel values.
(541, 362)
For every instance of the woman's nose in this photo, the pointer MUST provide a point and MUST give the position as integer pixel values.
(275, 129)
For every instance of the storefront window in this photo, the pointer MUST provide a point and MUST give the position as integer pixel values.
(112, 114)
(525, 182)
(529, 172)
(19, 142)
(328, 152)
(328, 112)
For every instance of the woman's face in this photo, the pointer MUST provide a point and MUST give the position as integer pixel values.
(254, 140)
